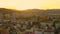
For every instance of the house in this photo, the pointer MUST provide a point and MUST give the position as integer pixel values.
(57, 25)
(48, 32)
(7, 16)
(1, 15)
(53, 16)
(46, 23)
(5, 31)
(38, 32)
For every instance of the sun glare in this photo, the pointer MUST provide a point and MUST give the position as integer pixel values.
(30, 4)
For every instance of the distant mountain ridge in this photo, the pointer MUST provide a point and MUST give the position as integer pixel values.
(31, 11)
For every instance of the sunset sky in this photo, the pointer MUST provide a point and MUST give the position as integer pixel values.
(30, 4)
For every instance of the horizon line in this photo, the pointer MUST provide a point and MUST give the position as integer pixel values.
(32, 8)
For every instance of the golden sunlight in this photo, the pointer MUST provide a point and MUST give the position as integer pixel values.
(30, 4)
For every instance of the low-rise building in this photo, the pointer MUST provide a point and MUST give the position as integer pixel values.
(48, 32)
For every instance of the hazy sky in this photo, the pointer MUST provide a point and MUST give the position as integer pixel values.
(30, 4)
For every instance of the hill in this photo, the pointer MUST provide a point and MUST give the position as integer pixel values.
(31, 12)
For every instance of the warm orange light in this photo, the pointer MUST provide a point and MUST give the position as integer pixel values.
(30, 4)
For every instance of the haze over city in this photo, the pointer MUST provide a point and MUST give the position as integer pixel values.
(29, 16)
